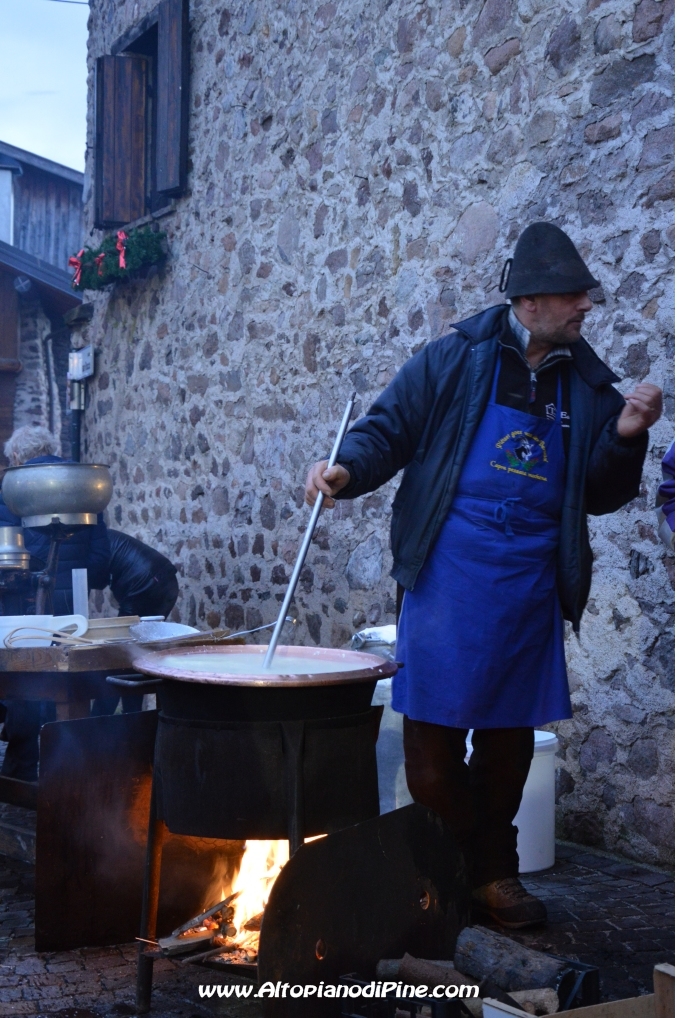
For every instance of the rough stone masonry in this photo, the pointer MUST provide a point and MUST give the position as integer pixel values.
(359, 171)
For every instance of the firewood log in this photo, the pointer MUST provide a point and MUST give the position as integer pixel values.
(420, 970)
(255, 922)
(481, 953)
(538, 1002)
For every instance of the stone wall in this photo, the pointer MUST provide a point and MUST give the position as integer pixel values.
(36, 397)
(358, 174)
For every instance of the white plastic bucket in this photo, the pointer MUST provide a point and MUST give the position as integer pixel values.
(535, 820)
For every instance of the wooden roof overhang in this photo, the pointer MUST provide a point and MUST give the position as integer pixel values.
(54, 285)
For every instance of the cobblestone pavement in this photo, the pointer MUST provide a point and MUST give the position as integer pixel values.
(608, 912)
(605, 911)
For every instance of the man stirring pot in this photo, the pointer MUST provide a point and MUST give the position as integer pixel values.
(509, 432)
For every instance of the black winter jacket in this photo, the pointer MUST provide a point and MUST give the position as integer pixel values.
(424, 423)
(139, 575)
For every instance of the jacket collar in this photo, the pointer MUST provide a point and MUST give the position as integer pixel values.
(488, 324)
(590, 367)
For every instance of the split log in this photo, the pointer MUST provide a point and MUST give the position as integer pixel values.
(481, 953)
(538, 1002)
(432, 973)
(203, 956)
(435, 973)
(182, 944)
(391, 968)
(254, 923)
(199, 919)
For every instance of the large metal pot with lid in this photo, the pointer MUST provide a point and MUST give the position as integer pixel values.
(246, 753)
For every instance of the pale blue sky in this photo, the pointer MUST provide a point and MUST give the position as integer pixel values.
(43, 78)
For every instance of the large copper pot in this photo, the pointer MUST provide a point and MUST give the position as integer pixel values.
(265, 755)
(351, 666)
(263, 696)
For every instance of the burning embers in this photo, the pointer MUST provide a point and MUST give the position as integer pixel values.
(228, 932)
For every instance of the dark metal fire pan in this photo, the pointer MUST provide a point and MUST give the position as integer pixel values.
(231, 780)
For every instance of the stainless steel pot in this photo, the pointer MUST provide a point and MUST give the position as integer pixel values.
(13, 554)
(72, 492)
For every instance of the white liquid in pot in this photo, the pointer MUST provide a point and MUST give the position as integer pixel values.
(252, 664)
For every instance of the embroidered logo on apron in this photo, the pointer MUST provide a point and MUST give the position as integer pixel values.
(523, 453)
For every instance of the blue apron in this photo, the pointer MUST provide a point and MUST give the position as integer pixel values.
(481, 635)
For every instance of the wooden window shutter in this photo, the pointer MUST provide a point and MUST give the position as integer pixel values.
(173, 60)
(120, 170)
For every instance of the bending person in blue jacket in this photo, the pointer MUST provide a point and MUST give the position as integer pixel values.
(87, 549)
(509, 432)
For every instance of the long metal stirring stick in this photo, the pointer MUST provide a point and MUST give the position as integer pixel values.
(303, 551)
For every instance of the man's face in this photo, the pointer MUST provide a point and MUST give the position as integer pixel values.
(554, 317)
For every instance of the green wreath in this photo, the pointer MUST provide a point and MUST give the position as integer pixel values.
(119, 256)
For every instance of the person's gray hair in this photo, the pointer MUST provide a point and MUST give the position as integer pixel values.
(30, 441)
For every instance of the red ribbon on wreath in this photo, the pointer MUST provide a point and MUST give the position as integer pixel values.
(98, 261)
(120, 246)
(75, 262)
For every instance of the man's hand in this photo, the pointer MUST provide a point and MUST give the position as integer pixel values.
(326, 480)
(642, 408)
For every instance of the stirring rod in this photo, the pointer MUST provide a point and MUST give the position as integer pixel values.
(307, 538)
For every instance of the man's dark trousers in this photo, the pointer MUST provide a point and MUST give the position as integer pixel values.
(479, 800)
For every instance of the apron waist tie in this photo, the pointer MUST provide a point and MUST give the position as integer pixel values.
(502, 514)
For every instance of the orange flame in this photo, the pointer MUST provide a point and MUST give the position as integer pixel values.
(259, 869)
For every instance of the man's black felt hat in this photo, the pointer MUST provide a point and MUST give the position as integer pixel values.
(545, 261)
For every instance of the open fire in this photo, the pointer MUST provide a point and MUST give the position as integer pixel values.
(259, 869)
(229, 931)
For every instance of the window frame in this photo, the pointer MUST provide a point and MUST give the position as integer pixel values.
(168, 22)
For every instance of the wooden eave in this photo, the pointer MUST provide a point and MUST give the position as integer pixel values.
(40, 163)
(54, 285)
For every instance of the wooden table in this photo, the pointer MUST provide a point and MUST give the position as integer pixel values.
(69, 677)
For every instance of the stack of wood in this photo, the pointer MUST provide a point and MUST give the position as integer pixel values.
(213, 928)
(498, 967)
(512, 980)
